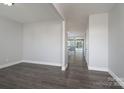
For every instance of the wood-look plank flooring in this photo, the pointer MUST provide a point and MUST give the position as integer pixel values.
(36, 76)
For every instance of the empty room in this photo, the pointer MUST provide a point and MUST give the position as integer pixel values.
(61, 45)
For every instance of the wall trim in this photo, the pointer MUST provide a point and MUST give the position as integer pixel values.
(29, 61)
(42, 62)
(9, 64)
(119, 80)
(98, 68)
(64, 67)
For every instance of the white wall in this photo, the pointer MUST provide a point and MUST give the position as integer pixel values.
(87, 45)
(64, 47)
(42, 43)
(98, 41)
(10, 41)
(116, 41)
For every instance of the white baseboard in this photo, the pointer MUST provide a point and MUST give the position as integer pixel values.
(9, 64)
(64, 67)
(43, 63)
(120, 81)
(98, 68)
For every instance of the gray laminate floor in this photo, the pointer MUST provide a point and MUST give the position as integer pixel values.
(36, 76)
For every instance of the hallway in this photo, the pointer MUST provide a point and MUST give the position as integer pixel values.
(76, 59)
(78, 69)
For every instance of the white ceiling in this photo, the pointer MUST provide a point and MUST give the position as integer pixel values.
(29, 12)
(76, 14)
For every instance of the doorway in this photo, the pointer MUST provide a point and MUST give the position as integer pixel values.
(75, 50)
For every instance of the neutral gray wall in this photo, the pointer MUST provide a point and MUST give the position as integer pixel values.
(98, 41)
(42, 42)
(10, 41)
(39, 42)
(116, 40)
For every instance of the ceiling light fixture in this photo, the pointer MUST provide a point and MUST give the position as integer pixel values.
(9, 4)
